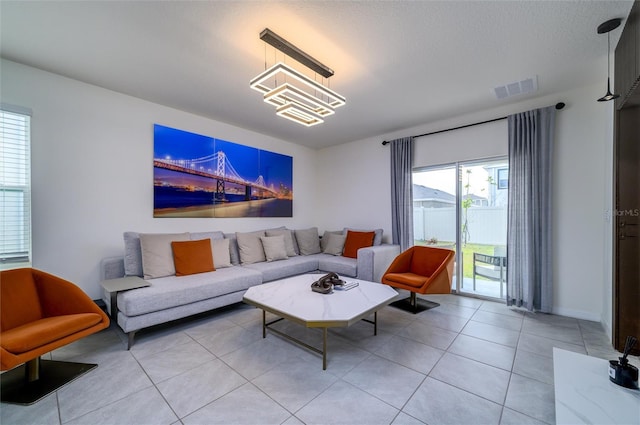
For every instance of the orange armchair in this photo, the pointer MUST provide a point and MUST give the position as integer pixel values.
(422, 270)
(40, 312)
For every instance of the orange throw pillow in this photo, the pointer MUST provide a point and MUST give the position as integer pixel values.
(355, 241)
(191, 257)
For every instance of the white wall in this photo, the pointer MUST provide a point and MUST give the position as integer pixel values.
(582, 175)
(92, 171)
(356, 183)
(353, 187)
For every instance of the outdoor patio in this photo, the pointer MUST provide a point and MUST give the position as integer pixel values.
(485, 288)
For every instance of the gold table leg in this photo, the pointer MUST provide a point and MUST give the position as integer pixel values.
(324, 348)
(325, 331)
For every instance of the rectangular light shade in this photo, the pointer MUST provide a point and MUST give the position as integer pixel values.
(334, 100)
(295, 113)
(286, 93)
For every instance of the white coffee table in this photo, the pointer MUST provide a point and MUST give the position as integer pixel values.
(293, 299)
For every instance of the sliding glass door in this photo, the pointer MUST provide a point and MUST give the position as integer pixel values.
(482, 197)
(463, 207)
(435, 208)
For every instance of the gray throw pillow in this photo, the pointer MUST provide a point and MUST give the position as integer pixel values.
(220, 251)
(132, 254)
(157, 255)
(334, 244)
(274, 247)
(308, 241)
(288, 240)
(233, 248)
(250, 247)
(325, 238)
(206, 235)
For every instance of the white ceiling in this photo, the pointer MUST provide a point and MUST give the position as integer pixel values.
(399, 64)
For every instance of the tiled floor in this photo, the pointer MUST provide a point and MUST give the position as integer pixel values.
(465, 362)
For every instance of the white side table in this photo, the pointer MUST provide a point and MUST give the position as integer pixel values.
(585, 395)
(113, 286)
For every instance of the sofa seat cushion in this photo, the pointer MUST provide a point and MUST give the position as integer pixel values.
(344, 266)
(44, 331)
(172, 291)
(285, 268)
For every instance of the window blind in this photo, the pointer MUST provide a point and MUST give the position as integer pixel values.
(15, 185)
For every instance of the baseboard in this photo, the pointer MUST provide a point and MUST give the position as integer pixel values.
(577, 314)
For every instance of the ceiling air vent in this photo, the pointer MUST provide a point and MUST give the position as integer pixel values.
(528, 85)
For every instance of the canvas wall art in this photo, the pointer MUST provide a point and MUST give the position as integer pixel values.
(200, 176)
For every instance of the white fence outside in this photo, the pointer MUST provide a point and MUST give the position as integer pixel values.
(487, 225)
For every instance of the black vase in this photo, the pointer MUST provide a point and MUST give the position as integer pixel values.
(625, 375)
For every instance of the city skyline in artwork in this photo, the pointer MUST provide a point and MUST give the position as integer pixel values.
(201, 176)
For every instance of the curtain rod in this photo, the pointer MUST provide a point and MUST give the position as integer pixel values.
(559, 106)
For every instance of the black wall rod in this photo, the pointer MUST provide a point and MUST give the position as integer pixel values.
(559, 106)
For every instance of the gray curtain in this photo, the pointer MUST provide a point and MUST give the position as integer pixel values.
(401, 192)
(529, 258)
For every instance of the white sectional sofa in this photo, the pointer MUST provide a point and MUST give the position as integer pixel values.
(170, 297)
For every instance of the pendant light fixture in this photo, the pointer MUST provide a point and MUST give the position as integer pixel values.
(607, 27)
(296, 96)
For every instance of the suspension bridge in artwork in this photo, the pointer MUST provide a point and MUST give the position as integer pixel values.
(218, 167)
